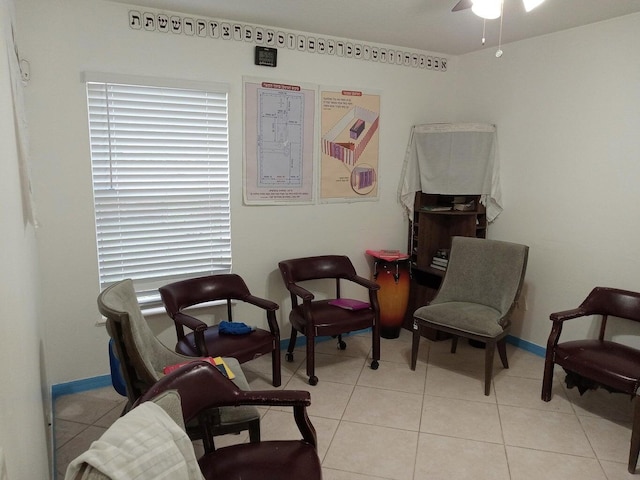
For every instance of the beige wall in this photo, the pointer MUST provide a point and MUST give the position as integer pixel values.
(23, 430)
(567, 108)
(63, 39)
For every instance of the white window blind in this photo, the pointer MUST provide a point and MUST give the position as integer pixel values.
(160, 166)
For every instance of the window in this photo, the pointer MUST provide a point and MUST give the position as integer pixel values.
(160, 167)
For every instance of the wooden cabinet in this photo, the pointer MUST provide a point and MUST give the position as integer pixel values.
(436, 219)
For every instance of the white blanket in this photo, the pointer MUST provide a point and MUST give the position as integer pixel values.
(452, 159)
(144, 444)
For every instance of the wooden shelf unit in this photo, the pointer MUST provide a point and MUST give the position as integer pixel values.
(432, 230)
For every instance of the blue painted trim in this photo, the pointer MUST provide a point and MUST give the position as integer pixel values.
(77, 386)
(527, 346)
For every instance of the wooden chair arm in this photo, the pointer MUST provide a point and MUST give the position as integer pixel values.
(261, 302)
(365, 282)
(298, 291)
(198, 327)
(568, 314)
(190, 322)
(201, 386)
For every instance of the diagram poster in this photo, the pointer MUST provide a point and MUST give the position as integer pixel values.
(278, 142)
(350, 122)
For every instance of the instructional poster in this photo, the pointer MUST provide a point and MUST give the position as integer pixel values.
(278, 142)
(350, 123)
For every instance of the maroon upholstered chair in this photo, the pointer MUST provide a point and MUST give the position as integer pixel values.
(182, 396)
(314, 318)
(205, 340)
(594, 363)
(201, 386)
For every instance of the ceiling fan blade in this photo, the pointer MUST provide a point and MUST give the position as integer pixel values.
(462, 5)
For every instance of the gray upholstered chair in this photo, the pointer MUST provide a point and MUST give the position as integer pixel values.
(143, 357)
(477, 295)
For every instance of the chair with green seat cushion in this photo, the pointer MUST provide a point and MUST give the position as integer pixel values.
(476, 298)
(143, 357)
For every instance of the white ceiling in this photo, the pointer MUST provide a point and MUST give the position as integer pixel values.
(419, 24)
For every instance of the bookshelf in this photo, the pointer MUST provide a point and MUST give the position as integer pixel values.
(435, 220)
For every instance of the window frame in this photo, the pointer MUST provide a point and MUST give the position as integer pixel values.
(219, 187)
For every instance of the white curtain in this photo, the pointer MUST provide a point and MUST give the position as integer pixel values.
(7, 38)
(452, 159)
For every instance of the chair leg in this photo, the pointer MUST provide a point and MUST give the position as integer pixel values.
(415, 344)
(635, 437)
(547, 379)
(275, 366)
(254, 431)
(375, 345)
(311, 367)
(489, 352)
(502, 351)
(454, 344)
(292, 344)
(206, 422)
(549, 360)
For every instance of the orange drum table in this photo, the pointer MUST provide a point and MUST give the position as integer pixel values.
(391, 272)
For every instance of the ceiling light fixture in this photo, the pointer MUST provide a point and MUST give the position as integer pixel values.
(492, 9)
(487, 9)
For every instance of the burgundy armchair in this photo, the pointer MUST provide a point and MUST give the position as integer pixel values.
(204, 340)
(594, 363)
(201, 386)
(184, 395)
(314, 317)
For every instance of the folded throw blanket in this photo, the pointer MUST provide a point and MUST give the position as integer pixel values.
(144, 444)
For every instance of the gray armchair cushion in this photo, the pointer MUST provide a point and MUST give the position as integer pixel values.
(484, 272)
(466, 317)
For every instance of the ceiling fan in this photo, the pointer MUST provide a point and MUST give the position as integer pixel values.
(462, 5)
(490, 9)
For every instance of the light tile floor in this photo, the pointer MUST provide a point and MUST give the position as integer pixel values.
(431, 423)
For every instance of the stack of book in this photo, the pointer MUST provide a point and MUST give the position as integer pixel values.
(435, 208)
(440, 259)
(465, 207)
